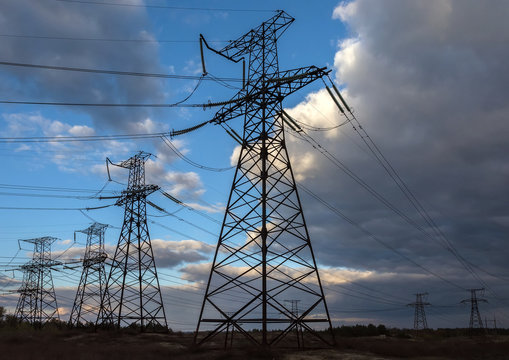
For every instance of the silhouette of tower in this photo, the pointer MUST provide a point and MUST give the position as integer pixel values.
(420, 322)
(298, 329)
(93, 278)
(493, 327)
(264, 253)
(37, 302)
(475, 316)
(132, 296)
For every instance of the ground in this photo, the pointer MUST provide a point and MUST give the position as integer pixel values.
(82, 345)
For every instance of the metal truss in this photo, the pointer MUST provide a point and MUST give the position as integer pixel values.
(264, 253)
(475, 316)
(37, 302)
(132, 296)
(93, 278)
(420, 322)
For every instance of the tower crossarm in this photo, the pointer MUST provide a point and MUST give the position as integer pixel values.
(289, 81)
(141, 191)
(283, 83)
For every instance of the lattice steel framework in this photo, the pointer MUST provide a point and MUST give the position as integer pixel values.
(132, 295)
(420, 322)
(475, 316)
(37, 302)
(264, 253)
(93, 278)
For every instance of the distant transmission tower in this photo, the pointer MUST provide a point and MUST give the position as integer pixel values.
(493, 327)
(475, 316)
(133, 296)
(420, 322)
(37, 302)
(298, 329)
(93, 278)
(264, 253)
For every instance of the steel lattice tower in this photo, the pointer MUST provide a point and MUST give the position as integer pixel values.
(93, 278)
(475, 316)
(264, 253)
(420, 322)
(37, 302)
(132, 296)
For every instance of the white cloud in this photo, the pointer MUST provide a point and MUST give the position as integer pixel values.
(81, 130)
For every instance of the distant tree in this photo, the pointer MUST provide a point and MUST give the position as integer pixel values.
(2, 313)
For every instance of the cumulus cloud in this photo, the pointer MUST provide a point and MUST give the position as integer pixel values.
(427, 80)
(167, 253)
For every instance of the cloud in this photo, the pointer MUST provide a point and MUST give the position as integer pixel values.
(68, 156)
(27, 17)
(429, 87)
(411, 71)
(169, 254)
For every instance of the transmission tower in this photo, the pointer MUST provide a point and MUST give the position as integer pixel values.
(420, 322)
(493, 327)
(264, 253)
(298, 329)
(37, 302)
(475, 316)
(93, 278)
(132, 296)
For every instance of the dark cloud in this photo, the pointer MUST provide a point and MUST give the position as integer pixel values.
(53, 18)
(428, 81)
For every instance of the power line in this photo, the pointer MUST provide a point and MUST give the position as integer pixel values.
(57, 196)
(371, 235)
(165, 6)
(25, 139)
(53, 208)
(142, 41)
(173, 148)
(128, 105)
(50, 188)
(115, 72)
(438, 236)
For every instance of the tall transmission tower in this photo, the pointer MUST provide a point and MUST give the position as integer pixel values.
(264, 253)
(132, 296)
(420, 322)
(475, 316)
(93, 277)
(37, 302)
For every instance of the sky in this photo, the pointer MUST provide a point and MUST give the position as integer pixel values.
(427, 81)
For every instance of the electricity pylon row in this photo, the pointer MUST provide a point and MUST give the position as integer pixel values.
(129, 296)
(264, 253)
(420, 322)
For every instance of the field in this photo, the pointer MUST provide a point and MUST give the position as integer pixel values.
(76, 344)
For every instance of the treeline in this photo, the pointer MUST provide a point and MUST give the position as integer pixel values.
(381, 330)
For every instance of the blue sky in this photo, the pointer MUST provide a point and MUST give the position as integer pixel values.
(429, 90)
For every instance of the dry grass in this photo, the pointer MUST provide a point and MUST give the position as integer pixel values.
(83, 345)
